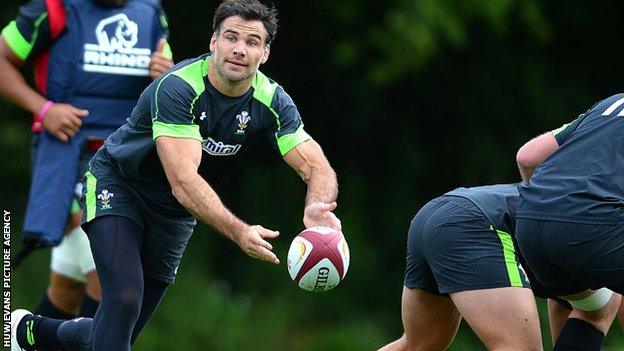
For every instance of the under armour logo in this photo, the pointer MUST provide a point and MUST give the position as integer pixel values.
(202, 116)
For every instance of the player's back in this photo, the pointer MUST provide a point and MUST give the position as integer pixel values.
(497, 202)
(583, 180)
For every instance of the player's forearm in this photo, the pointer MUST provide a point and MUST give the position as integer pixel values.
(198, 197)
(14, 87)
(322, 185)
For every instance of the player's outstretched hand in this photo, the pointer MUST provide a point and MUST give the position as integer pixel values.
(160, 61)
(63, 121)
(253, 244)
(319, 214)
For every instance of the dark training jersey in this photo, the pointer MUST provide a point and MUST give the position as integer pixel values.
(183, 104)
(583, 181)
(497, 202)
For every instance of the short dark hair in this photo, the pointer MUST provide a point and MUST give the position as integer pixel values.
(249, 10)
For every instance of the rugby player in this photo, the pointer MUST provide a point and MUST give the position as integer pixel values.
(74, 109)
(462, 262)
(570, 225)
(156, 174)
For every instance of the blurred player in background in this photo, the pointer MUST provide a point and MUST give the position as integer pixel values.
(92, 59)
(571, 218)
(157, 171)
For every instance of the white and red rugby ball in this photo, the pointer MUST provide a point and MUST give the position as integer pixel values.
(318, 259)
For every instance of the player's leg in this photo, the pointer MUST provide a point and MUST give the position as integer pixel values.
(74, 285)
(116, 245)
(558, 314)
(65, 290)
(503, 318)
(154, 291)
(62, 297)
(161, 255)
(593, 314)
(84, 259)
(92, 296)
(430, 321)
(558, 308)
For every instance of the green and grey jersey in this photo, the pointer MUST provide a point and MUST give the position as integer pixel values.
(183, 104)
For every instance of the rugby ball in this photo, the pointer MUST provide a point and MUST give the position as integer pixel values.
(318, 259)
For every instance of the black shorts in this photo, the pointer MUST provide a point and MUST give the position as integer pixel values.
(568, 258)
(453, 247)
(108, 193)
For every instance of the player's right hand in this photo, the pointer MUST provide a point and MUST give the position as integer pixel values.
(63, 121)
(253, 244)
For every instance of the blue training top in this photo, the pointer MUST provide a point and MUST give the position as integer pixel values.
(583, 181)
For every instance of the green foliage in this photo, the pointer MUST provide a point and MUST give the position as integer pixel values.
(413, 32)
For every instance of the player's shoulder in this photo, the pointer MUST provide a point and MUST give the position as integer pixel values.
(608, 105)
(264, 88)
(270, 93)
(186, 76)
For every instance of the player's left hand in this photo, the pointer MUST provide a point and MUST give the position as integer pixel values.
(320, 214)
(159, 62)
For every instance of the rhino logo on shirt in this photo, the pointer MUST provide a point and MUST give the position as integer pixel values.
(117, 33)
(115, 52)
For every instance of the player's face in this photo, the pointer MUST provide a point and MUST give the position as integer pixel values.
(239, 48)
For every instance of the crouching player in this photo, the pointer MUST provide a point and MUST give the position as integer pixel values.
(571, 218)
(462, 262)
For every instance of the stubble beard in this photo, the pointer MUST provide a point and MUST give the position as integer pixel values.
(224, 76)
(229, 79)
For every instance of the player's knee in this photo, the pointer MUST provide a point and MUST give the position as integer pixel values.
(126, 303)
(596, 301)
(602, 313)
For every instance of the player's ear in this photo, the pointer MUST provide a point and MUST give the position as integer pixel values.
(213, 42)
(265, 55)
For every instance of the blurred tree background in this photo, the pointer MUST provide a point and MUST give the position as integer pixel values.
(409, 99)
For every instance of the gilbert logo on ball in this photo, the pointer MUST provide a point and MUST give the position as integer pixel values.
(318, 259)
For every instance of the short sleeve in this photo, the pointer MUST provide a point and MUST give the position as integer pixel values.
(289, 130)
(172, 109)
(565, 131)
(29, 33)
